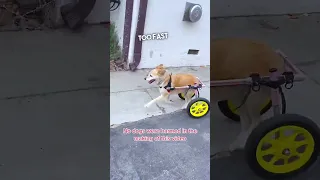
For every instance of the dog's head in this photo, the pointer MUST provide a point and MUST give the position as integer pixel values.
(156, 74)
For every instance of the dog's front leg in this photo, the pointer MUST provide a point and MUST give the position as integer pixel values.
(161, 97)
(245, 121)
(250, 119)
(241, 140)
(167, 100)
(188, 97)
(185, 105)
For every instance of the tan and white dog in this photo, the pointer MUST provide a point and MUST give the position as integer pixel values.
(233, 58)
(230, 58)
(164, 79)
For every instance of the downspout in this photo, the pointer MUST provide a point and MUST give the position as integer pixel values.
(139, 31)
(127, 29)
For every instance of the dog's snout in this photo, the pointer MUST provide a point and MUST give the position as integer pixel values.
(145, 78)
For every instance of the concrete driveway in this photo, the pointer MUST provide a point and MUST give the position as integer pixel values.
(53, 105)
(299, 39)
(161, 160)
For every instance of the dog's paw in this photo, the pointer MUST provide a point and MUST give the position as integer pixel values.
(235, 146)
(147, 105)
(239, 142)
(184, 106)
(222, 154)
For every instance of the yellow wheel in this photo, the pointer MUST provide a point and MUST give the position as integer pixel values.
(283, 146)
(229, 110)
(198, 107)
(181, 95)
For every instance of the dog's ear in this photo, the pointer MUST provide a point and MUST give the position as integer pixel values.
(161, 71)
(160, 66)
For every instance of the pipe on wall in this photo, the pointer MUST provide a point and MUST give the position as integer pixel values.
(127, 29)
(139, 30)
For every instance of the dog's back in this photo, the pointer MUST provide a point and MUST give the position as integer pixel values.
(234, 58)
(179, 80)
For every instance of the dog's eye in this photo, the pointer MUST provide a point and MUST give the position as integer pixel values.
(150, 75)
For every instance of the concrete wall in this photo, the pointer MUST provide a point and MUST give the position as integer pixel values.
(117, 17)
(262, 7)
(166, 16)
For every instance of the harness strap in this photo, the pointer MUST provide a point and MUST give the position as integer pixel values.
(168, 86)
(244, 99)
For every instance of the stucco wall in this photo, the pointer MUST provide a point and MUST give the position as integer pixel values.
(166, 16)
(262, 7)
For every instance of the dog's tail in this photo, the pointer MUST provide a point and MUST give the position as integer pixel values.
(201, 82)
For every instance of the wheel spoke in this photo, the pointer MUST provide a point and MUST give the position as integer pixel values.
(281, 134)
(271, 139)
(299, 143)
(293, 152)
(291, 138)
(273, 159)
(270, 151)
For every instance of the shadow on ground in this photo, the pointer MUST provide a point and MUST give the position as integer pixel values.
(235, 167)
(53, 105)
(54, 137)
(186, 160)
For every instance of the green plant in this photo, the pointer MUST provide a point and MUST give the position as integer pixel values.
(115, 52)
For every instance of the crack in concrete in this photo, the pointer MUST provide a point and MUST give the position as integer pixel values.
(315, 81)
(255, 15)
(139, 89)
(308, 63)
(309, 77)
(162, 109)
(53, 93)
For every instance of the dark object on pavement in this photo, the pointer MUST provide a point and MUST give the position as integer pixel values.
(73, 14)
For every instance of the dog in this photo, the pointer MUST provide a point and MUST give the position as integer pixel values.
(167, 83)
(236, 58)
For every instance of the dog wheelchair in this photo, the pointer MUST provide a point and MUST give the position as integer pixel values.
(286, 144)
(197, 107)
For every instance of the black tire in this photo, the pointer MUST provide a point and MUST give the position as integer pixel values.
(271, 124)
(182, 97)
(194, 101)
(226, 111)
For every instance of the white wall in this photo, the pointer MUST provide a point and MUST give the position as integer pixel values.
(117, 17)
(262, 7)
(166, 16)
